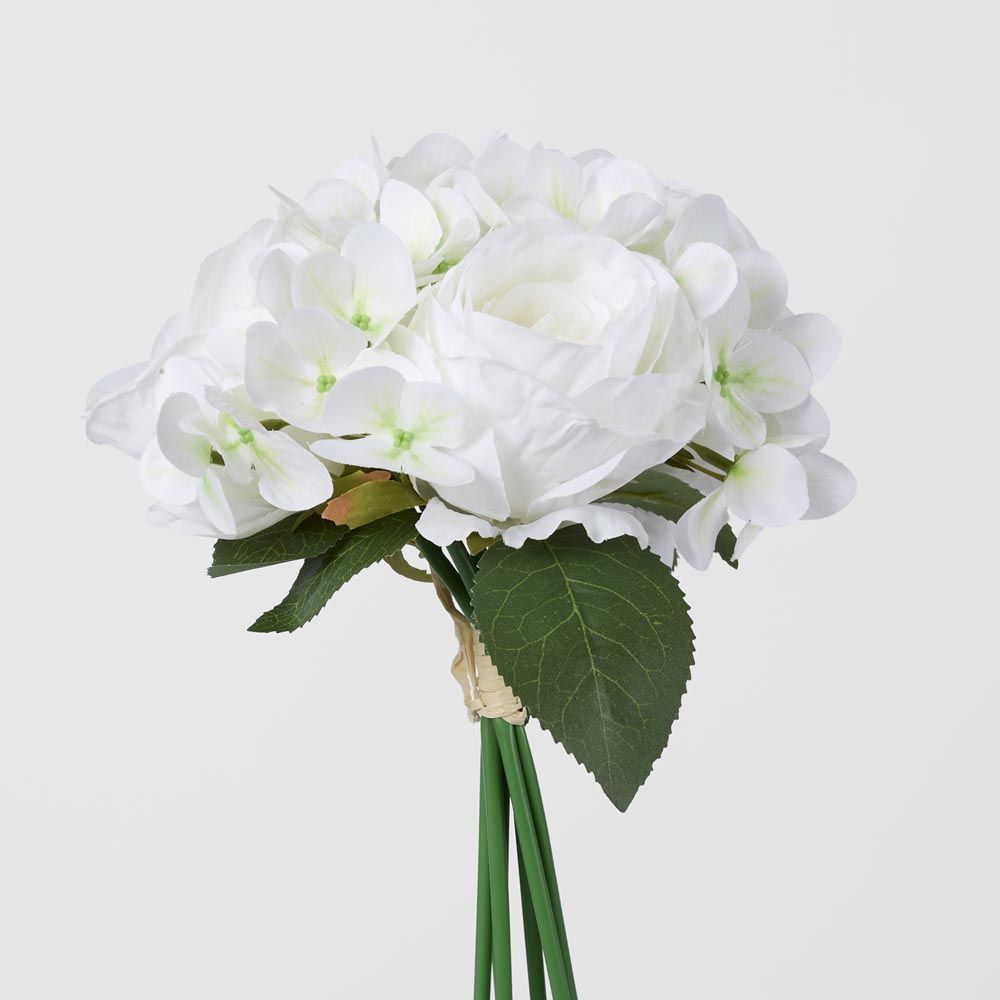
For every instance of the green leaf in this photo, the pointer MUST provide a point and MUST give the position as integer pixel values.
(596, 641)
(322, 576)
(662, 493)
(295, 537)
(370, 501)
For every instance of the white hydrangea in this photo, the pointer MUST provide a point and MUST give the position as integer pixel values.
(519, 331)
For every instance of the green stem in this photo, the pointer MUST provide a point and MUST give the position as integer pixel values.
(463, 563)
(534, 868)
(497, 809)
(440, 565)
(532, 942)
(689, 465)
(484, 926)
(719, 461)
(544, 845)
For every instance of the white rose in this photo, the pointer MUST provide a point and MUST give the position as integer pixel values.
(579, 363)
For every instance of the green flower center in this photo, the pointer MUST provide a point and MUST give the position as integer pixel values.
(722, 377)
(361, 320)
(402, 440)
(246, 436)
(324, 383)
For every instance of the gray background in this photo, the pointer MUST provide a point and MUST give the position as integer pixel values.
(187, 810)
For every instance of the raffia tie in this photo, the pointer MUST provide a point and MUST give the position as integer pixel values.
(487, 695)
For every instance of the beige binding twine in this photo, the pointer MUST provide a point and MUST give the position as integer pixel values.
(486, 693)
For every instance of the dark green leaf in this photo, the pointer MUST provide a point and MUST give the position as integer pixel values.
(597, 642)
(322, 576)
(295, 537)
(658, 491)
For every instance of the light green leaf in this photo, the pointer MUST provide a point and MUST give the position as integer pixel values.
(596, 641)
(658, 491)
(370, 501)
(296, 537)
(322, 576)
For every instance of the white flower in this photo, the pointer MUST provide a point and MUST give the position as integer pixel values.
(414, 199)
(121, 407)
(506, 183)
(291, 369)
(768, 488)
(695, 251)
(410, 427)
(707, 248)
(520, 331)
(750, 373)
(248, 513)
(438, 228)
(428, 159)
(196, 440)
(369, 283)
(566, 349)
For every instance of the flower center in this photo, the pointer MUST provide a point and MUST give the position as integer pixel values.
(722, 376)
(361, 320)
(246, 436)
(401, 440)
(324, 383)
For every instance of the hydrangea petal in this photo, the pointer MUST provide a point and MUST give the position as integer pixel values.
(227, 280)
(337, 199)
(803, 426)
(748, 533)
(554, 180)
(437, 467)
(831, 484)
(189, 451)
(699, 527)
(361, 172)
(815, 337)
(768, 285)
(436, 411)
(736, 420)
(163, 480)
(704, 220)
(628, 218)
(412, 217)
(324, 279)
(707, 275)
(291, 477)
(610, 179)
(214, 504)
(369, 452)
(768, 373)
(768, 487)
(500, 168)
(726, 327)
(274, 284)
(384, 285)
(430, 157)
(364, 401)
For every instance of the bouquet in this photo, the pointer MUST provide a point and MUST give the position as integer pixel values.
(533, 380)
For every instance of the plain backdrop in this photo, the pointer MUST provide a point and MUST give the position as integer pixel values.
(191, 811)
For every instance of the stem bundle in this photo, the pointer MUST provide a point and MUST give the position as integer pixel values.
(508, 776)
(508, 782)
